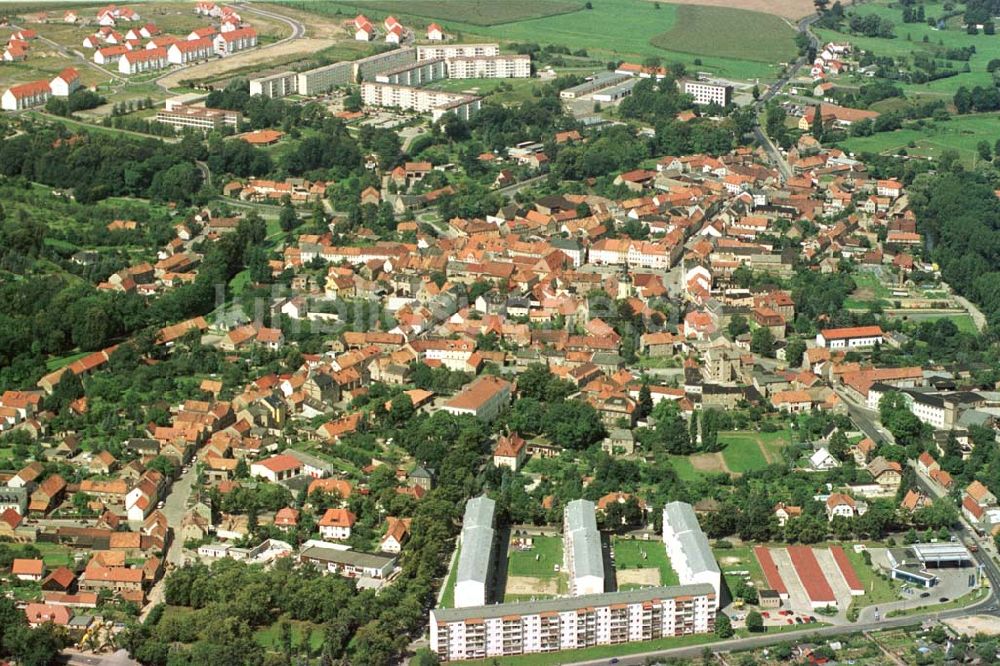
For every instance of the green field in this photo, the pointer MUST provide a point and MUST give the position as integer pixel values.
(732, 33)
(612, 30)
(954, 36)
(740, 558)
(474, 12)
(960, 133)
(685, 470)
(747, 451)
(878, 590)
(549, 551)
(629, 555)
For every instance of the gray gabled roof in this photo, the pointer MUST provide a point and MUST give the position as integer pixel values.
(477, 540)
(581, 528)
(681, 517)
(692, 541)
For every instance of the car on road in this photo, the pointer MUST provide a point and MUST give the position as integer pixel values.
(160, 504)
(924, 595)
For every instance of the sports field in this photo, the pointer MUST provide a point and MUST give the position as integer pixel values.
(733, 33)
(953, 36)
(611, 30)
(631, 554)
(960, 133)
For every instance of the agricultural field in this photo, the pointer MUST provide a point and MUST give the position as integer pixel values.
(612, 30)
(633, 555)
(474, 12)
(734, 33)
(959, 133)
(789, 9)
(910, 39)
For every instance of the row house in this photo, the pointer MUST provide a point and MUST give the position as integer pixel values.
(234, 41)
(146, 60)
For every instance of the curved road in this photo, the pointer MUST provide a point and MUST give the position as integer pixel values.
(298, 32)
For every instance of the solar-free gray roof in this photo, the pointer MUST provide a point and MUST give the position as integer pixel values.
(680, 516)
(479, 512)
(580, 516)
(474, 559)
(570, 603)
(477, 540)
(581, 529)
(697, 552)
(348, 557)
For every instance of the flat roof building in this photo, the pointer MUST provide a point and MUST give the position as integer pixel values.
(432, 52)
(277, 85)
(475, 559)
(688, 549)
(582, 555)
(709, 93)
(198, 118)
(348, 563)
(569, 623)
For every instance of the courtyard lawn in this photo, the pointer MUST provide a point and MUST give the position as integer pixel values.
(740, 558)
(55, 555)
(629, 555)
(549, 553)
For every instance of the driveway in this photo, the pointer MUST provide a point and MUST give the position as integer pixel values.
(174, 508)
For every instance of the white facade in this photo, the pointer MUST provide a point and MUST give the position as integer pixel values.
(276, 85)
(688, 549)
(25, 96)
(184, 52)
(457, 51)
(335, 532)
(490, 67)
(570, 623)
(64, 84)
(137, 62)
(850, 338)
(421, 100)
(707, 93)
(228, 43)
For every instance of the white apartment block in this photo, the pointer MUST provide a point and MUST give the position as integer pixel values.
(26, 96)
(435, 102)
(146, 60)
(583, 558)
(326, 78)
(453, 354)
(181, 53)
(688, 549)
(365, 69)
(457, 51)
(707, 93)
(490, 67)
(275, 85)
(228, 43)
(475, 559)
(416, 73)
(180, 117)
(568, 623)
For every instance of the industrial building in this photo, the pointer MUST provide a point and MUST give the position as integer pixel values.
(569, 623)
(582, 556)
(597, 82)
(475, 559)
(688, 549)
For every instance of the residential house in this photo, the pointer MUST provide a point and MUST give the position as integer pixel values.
(336, 524)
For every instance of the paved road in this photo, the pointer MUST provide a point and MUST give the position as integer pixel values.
(174, 508)
(511, 190)
(74, 658)
(773, 152)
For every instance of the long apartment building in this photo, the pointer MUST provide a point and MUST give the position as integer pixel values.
(568, 623)
(421, 100)
(582, 556)
(475, 558)
(323, 79)
(490, 67)
(196, 117)
(417, 73)
(688, 549)
(277, 85)
(449, 51)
